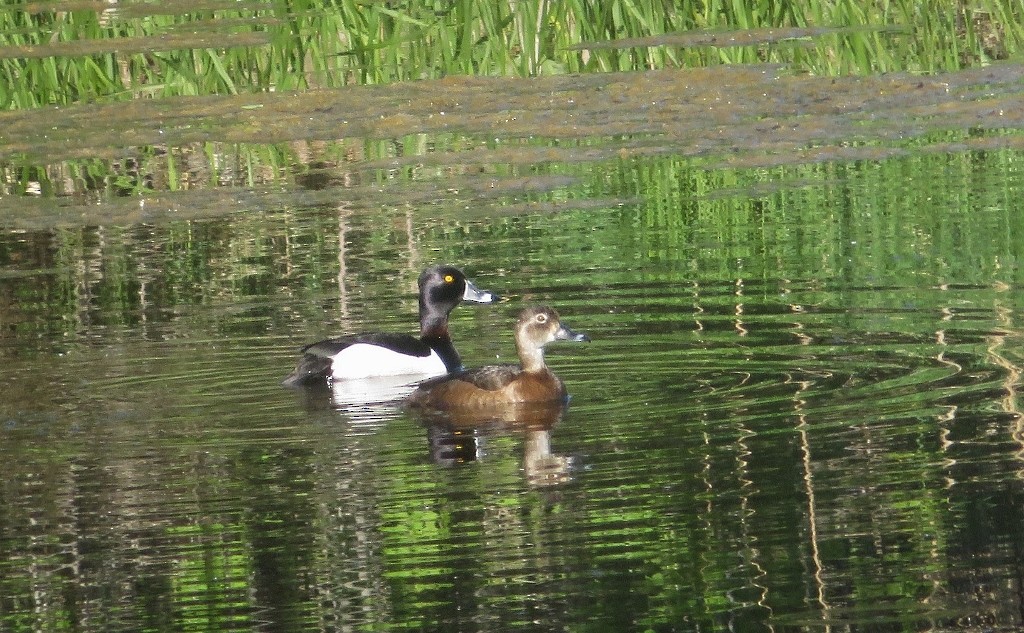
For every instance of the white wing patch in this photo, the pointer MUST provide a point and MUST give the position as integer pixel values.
(363, 360)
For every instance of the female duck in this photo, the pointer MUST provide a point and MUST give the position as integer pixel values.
(378, 354)
(502, 385)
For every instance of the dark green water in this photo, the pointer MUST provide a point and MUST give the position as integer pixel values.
(779, 424)
(799, 411)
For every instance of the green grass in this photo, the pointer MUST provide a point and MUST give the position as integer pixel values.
(58, 57)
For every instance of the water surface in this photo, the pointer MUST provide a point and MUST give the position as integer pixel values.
(799, 410)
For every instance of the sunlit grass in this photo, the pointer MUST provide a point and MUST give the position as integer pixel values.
(56, 57)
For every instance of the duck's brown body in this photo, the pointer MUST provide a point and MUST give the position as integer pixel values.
(501, 385)
(488, 387)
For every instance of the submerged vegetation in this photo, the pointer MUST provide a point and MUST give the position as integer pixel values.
(50, 54)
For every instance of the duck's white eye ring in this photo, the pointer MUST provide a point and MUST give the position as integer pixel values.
(542, 318)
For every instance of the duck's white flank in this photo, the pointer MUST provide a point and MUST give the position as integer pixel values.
(363, 361)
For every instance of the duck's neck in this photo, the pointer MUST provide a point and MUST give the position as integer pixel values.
(435, 334)
(432, 323)
(532, 359)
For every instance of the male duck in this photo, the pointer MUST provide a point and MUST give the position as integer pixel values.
(496, 386)
(378, 354)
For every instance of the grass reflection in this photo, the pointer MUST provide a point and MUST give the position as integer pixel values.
(859, 226)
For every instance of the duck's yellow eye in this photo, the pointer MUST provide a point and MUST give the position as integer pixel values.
(448, 279)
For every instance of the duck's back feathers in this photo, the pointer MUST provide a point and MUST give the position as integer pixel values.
(489, 378)
(400, 343)
(311, 370)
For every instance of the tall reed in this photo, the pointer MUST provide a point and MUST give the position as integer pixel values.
(50, 56)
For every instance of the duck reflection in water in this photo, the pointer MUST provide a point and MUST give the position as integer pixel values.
(456, 438)
(528, 398)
